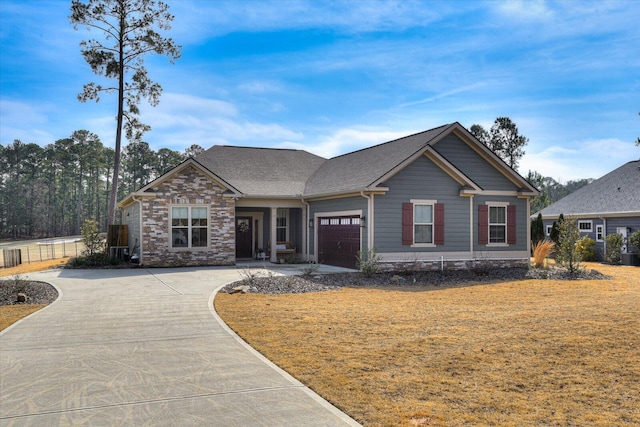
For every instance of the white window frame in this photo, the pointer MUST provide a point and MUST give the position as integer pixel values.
(502, 205)
(600, 232)
(547, 229)
(420, 202)
(189, 226)
(584, 222)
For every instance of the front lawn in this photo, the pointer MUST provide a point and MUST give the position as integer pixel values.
(528, 352)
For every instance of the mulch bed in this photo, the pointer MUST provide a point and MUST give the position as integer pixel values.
(35, 292)
(265, 283)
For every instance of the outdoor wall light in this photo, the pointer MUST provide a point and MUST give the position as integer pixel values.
(310, 223)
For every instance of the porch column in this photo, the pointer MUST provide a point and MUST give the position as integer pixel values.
(305, 234)
(273, 235)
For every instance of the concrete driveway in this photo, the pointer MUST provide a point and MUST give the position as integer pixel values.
(144, 347)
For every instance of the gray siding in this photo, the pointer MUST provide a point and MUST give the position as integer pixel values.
(338, 205)
(522, 223)
(422, 179)
(471, 164)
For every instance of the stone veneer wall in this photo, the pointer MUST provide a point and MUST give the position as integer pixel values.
(437, 265)
(188, 187)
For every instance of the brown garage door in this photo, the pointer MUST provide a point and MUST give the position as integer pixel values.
(339, 240)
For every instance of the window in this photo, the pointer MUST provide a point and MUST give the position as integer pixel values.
(599, 232)
(281, 225)
(497, 224)
(423, 223)
(585, 226)
(189, 227)
(548, 230)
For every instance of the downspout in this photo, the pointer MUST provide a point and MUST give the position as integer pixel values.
(139, 201)
(369, 219)
(306, 227)
(604, 235)
(471, 237)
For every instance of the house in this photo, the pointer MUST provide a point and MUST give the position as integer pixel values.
(436, 199)
(607, 205)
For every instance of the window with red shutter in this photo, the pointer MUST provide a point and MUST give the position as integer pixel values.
(407, 223)
(438, 237)
(483, 224)
(511, 225)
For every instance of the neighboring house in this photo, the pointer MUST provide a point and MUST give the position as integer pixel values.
(608, 205)
(439, 198)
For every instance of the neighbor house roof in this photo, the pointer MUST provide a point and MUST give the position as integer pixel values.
(617, 192)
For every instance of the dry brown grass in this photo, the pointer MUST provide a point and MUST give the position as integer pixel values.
(541, 251)
(9, 314)
(32, 267)
(519, 353)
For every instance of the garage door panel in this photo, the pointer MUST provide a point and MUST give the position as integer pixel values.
(339, 240)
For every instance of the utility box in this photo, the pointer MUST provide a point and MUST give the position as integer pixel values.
(631, 259)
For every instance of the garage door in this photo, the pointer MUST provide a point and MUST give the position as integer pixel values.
(339, 240)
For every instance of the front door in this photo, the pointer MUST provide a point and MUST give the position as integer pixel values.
(244, 237)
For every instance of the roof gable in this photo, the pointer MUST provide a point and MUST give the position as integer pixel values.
(367, 168)
(617, 192)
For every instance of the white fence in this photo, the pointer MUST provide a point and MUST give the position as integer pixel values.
(36, 251)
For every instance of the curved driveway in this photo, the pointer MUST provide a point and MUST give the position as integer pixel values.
(144, 347)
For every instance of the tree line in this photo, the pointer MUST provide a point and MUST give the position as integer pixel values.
(49, 191)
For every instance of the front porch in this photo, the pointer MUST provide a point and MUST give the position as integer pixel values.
(271, 232)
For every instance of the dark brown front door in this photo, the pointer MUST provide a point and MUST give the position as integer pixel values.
(339, 240)
(244, 239)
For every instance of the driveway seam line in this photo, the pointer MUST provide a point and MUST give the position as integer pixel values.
(161, 281)
(142, 402)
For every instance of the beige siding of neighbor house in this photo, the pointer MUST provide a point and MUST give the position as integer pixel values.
(188, 187)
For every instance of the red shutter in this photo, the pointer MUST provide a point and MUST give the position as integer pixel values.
(438, 219)
(511, 225)
(407, 223)
(483, 224)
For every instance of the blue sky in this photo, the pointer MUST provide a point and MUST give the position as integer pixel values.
(332, 77)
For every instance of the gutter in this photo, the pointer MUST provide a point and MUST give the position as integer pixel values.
(133, 197)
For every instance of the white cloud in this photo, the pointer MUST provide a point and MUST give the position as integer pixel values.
(577, 161)
(198, 19)
(346, 140)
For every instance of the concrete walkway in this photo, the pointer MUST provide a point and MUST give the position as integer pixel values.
(144, 347)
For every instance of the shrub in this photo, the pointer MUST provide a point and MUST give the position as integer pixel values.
(586, 248)
(368, 262)
(567, 255)
(93, 242)
(634, 239)
(614, 247)
(554, 234)
(541, 250)
(537, 230)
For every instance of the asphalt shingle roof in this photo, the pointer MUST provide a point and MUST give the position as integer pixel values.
(616, 192)
(261, 171)
(360, 169)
